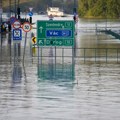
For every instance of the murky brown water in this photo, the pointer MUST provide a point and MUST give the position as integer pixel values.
(58, 90)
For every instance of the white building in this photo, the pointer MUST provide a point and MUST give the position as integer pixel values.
(54, 11)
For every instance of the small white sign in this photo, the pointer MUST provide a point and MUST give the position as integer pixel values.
(30, 9)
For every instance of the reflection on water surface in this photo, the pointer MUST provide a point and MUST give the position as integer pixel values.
(57, 90)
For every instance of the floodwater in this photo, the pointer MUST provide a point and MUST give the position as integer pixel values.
(55, 88)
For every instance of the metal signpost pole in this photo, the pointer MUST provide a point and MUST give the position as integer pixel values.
(24, 47)
(15, 10)
(9, 8)
(18, 10)
(106, 16)
(38, 55)
(105, 12)
(30, 14)
(0, 29)
(55, 60)
(74, 9)
(26, 28)
(73, 47)
(0, 14)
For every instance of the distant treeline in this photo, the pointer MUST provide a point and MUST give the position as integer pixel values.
(99, 8)
(40, 5)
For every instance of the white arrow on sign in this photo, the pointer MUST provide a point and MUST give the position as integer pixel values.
(40, 29)
(40, 42)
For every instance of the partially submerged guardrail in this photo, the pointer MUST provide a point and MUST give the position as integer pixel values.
(82, 54)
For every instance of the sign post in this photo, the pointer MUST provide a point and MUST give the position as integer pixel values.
(26, 28)
(55, 33)
(30, 14)
(1, 11)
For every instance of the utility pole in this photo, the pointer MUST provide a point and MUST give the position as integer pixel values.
(74, 9)
(18, 9)
(51, 3)
(15, 9)
(9, 8)
(1, 10)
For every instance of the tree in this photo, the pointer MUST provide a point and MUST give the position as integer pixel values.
(99, 8)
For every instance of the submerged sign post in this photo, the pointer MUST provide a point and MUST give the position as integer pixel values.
(55, 33)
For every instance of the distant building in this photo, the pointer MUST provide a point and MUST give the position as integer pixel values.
(54, 11)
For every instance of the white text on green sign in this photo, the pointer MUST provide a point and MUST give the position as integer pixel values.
(55, 33)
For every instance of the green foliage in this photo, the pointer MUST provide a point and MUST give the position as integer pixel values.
(99, 8)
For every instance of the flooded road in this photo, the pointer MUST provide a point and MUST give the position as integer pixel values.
(57, 89)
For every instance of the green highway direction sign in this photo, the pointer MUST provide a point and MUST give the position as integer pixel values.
(55, 33)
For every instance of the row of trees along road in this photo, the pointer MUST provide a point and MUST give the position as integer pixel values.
(99, 8)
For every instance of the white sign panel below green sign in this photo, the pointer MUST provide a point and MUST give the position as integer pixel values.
(55, 33)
